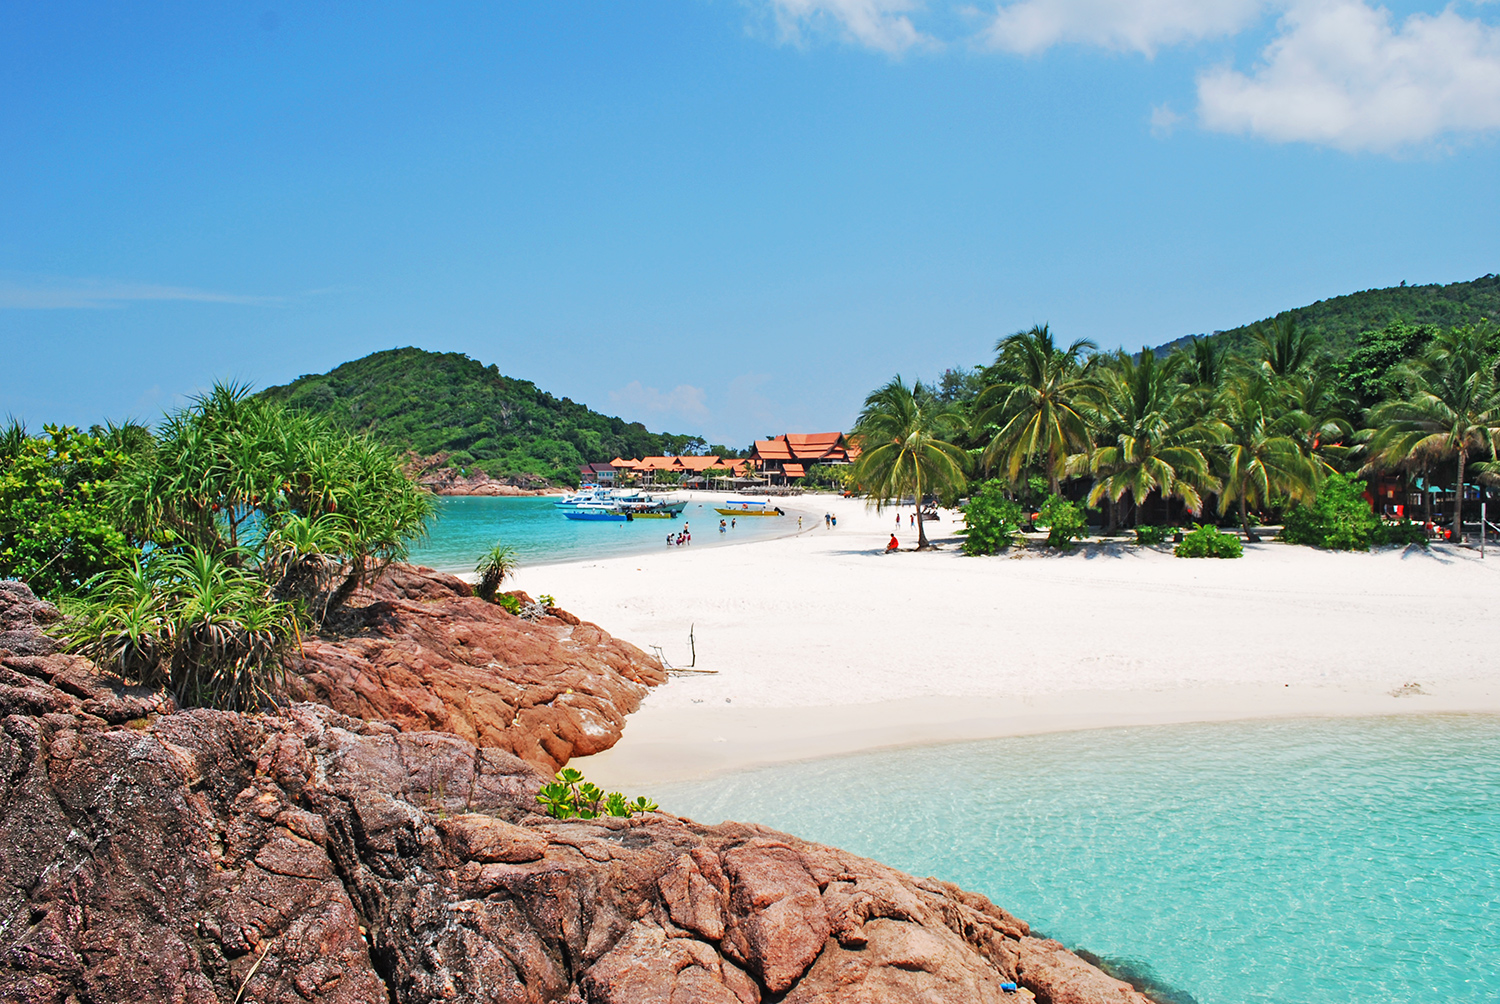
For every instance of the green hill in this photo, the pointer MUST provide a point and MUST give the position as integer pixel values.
(1342, 319)
(445, 402)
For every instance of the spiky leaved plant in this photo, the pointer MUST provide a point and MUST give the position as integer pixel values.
(498, 563)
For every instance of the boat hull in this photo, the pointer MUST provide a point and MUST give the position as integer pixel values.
(596, 516)
(747, 512)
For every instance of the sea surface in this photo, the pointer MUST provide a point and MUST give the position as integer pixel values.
(468, 526)
(1309, 861)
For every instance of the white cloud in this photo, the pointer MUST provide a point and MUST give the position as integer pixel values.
(885, 25)
(683, 400)
(1164, 120)
(1340, 74)
(1032, 26)
(52, 293)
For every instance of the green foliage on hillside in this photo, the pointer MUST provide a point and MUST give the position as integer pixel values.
(1341, 319)
(445, 402)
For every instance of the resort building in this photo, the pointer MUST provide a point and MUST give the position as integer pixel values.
(597, 474)
(688, 472)
(788, 456)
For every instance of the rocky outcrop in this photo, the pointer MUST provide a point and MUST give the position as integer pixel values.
(421, 651)
(308, 856)
(434, 473)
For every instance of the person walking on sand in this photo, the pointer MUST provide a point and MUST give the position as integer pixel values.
(913, 519)
(892, 545)
(799, 522)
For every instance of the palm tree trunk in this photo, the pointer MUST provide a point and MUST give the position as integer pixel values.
(1458, 498)
(1426, 497)
(1244, 517)
(1109, 516)
(921, 523)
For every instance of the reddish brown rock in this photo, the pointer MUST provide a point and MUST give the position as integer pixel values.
(424, 653)
(205, 857)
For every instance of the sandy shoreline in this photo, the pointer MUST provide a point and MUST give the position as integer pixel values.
(822, 645)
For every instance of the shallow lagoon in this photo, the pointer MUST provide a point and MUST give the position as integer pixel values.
(468, 526)
(1303, 860)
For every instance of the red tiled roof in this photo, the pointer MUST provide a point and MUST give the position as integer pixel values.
(699, 463)
(792, 470)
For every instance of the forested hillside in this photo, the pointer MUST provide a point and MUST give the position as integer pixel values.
(445, 402)
(1342, 319)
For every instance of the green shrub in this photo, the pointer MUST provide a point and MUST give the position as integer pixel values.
(1339, 519)
(1402, 532)
(1065, 521)
(1208, 542)
(509, 602)
(1153, 535)
(571, 797)
(991, 520)
(57, 528)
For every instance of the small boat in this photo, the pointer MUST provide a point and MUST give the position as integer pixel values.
(600, 513)
(747, 507)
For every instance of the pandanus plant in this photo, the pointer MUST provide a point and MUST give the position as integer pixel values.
(498, 563)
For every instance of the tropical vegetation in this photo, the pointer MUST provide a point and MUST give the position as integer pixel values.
(471, 417)
(1270, 428)
(1207, 542)
(905, 435)
(194, 556)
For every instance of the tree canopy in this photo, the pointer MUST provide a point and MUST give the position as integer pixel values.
(446, 403)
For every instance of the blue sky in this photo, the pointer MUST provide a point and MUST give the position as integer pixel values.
(726, 217)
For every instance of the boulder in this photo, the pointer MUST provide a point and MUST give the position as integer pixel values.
(419, 650)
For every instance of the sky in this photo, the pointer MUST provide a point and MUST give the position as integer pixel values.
(731, 218)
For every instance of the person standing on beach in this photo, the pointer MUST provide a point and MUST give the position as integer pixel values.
(799, 522)
(733, 520)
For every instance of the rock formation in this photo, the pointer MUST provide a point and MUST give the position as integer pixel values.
(421, 651)
(206, 857)
(433, 473)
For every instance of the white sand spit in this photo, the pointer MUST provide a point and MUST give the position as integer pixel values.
(821, 644)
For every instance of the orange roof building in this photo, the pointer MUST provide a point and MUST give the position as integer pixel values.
(789, 455)
(694, 469)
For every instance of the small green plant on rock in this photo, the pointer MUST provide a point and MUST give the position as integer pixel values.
(1208, 542)
(497, 563)
(571, 797)
(547, 600)
(509, 602)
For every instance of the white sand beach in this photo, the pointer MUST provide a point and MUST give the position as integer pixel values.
(820, 644)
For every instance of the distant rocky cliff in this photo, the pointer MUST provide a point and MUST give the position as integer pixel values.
(308, 856)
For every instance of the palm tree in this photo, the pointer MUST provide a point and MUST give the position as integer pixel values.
(904, 435)
(1035, 403)
(1452, 410)
(1314, 416)
(1285, 347)
(498, 563)
(1255, 460)
(1153, 444)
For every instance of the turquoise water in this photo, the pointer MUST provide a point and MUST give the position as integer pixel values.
(467, 527)
(1320, 862)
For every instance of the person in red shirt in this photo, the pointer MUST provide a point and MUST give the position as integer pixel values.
(892, 545)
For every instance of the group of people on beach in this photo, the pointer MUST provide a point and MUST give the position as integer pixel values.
(685, 537)
(830, 521)
(725, 527)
